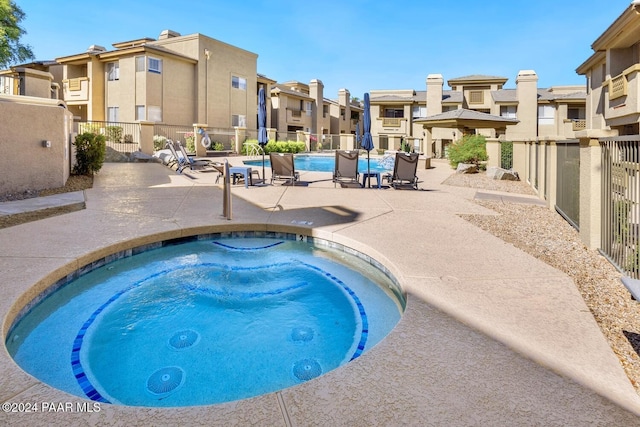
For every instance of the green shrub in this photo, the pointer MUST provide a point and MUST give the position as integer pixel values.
(470, 149)
(159, 142)
(90, 151)
(113, 133)
(189, 142)
(275, 146)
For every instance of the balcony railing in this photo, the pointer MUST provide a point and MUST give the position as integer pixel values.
(579, 124)
(618, 86)
(391, 122)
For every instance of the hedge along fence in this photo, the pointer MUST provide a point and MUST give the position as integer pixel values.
(250, 146)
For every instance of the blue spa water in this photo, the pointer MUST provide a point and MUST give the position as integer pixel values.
(206, 321)
(327, 163)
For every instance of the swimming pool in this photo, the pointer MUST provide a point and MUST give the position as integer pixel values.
(206, 321)
(327, 163)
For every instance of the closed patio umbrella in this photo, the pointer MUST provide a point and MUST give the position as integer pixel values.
(367, 139)
(263, 138)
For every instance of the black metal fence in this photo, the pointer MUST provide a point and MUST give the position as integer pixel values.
(568, 181)
(620, 242)
(506, 154)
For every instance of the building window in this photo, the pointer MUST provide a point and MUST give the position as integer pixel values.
(155, 113)
(155, 65)
(113, 71)
(239, 120)
(383, 142)
(238, 83)
(546, 114)
(325, 110)
(576, 113)
(397, 113)
(140, 63)
(508, 111)
(476, 97)
(307, 107)
(113, 114)
(140, 112)
(419, 111)
(342, 113)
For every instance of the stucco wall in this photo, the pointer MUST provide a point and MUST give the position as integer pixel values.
(26, 165)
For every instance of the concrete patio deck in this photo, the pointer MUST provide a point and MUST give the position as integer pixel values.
(490, 336)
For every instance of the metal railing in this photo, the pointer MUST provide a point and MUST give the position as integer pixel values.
(621, 203)
(506, 154)
(122, 139)
(568, 181)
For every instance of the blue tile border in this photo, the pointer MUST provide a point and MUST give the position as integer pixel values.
(77, 368)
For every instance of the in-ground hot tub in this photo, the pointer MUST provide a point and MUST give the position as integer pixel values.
(207, 319)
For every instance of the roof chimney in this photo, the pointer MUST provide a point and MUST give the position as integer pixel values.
(167, 34)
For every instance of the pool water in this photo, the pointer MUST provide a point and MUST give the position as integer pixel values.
(327, 163)
(207, 321)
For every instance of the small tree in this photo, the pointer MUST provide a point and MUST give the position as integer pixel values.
(11, 50)
(470, 149)
(90, 152)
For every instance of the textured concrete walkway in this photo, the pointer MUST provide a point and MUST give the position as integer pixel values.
(490, 336)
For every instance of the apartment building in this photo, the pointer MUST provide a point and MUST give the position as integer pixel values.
(613, 76)
(174, 80)
(431, 120)
(301, 107)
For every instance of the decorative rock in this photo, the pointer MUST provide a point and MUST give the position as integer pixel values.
(466, 168)
(502, 174)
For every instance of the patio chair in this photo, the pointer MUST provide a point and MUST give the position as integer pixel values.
(192, 163)
(235, 176)
(282, 167)
(346, 167)
(181, 161)
(404, 171)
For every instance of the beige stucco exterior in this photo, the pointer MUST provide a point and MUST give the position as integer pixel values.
(431, 119)
(172, 80)
(27, 162)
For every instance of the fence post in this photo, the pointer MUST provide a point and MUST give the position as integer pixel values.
(520, 158)
(146, 137)
(240, 137)
(201, 151)
(493, 153)
(552, 175)
(590, 191)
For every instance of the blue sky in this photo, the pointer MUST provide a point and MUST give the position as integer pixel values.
(359, 45)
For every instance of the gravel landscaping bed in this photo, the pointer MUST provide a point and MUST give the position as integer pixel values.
(545, 235)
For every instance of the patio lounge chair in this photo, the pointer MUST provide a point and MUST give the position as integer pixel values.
(404, 171)
(346, 168)
(182, 161)
(282, 167)
(191, 162)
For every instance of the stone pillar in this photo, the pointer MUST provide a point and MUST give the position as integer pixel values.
(590, 192)
(520, 158)
(493, 152)
(200, 150)
(241, 134)
(552, 175)
(146, 137)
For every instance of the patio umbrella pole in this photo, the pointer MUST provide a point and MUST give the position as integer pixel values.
(263, 137)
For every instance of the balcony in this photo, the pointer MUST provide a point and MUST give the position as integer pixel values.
(75, 90)
(579, 125)
(624, 100)
(391, 122)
